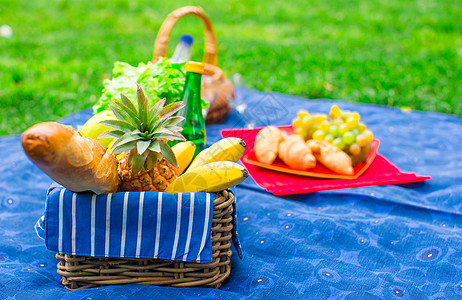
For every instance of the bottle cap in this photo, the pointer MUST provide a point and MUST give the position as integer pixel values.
(195, 67)
(187, 39)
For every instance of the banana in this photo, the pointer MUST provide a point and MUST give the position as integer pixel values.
(92, 128)
(184, 153)
(210, 178)
(227, 149)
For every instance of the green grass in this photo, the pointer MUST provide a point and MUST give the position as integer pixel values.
(395, 52)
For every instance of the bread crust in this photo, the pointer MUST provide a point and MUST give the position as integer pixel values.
(267, 143)
(331, 157)
(78, 163)
(296, 154)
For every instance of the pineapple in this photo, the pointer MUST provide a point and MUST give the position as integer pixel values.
(148, 163)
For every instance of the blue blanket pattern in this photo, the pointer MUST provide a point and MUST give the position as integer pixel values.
(387, 242)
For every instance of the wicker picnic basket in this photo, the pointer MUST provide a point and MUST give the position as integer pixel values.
(217, 90)
(87, 271)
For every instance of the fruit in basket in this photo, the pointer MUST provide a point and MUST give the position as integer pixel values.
(93, 128)
(340, 128)
(184, 153)
(142, 132)
(212, 177)
(227, 149)
(267, 144)
(294, 153)
(77, 162)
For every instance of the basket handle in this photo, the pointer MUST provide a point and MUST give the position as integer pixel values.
(163, 37)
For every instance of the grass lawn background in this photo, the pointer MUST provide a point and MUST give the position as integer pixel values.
(395, 52)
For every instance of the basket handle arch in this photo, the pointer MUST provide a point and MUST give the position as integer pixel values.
(163, 36)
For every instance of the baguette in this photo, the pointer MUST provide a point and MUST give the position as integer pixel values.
(76, 162)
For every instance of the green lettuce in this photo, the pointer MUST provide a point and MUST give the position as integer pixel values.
(163, 79)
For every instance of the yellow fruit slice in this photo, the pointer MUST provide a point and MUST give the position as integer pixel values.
(184, 153)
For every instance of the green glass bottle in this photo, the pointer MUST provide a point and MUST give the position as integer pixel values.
(194, 123)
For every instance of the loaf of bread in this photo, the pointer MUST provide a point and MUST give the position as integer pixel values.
(78, 163)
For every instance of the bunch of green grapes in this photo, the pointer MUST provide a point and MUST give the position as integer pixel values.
(343, 129)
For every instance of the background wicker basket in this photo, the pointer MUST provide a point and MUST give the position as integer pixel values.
(87, 271)
(217, 90)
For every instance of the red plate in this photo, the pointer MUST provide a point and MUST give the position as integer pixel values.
(381, 172)
(319, 171)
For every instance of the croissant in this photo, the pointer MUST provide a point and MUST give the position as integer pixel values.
(78, 163)
(267, 144)
(331, 157)
(294, 153)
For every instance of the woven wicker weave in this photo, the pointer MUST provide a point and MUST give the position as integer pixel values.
(86, 271)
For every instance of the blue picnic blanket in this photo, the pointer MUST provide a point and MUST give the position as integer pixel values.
(386, 242)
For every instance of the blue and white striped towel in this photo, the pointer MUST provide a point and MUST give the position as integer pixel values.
(129, 224)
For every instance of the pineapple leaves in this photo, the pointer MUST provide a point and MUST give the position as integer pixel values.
(171, 109)
(169, 137)
(143, 109)
(167, 153)
(138, 162)
(128, 103)
(133, 115)
(177, 136)
(143, 131)
(131, 153)
(151, 160)
(142, 145)
(174, 128)
(136, 131)
(172, 121)
(125, 139)
(154, 147)
(154, 113)
(154, 125)
(161, 130)
(118, 124)
(111, 134)
(156, 109)
(120, 114)
(165, 133)
(124, 147)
